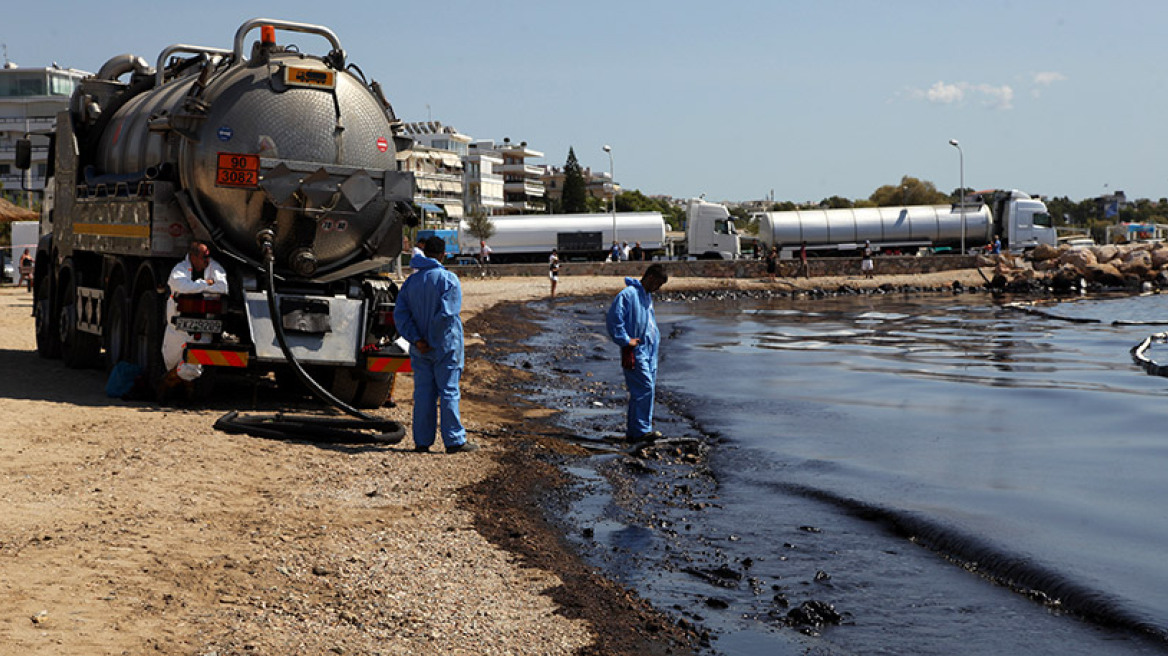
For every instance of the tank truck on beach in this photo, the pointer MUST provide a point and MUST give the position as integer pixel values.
(283, 162)
(1020, 221)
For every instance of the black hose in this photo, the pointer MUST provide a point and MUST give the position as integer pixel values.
(281, 426)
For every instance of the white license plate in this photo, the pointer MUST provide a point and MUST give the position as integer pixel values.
(191, 325)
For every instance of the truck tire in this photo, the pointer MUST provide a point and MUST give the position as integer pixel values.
(345, 385)
(374, 392)
(117, 326)
(48, 338)
(79, 350)
(146, 338)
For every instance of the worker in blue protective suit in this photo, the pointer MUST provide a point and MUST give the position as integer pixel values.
(427, 316)
(633, 327)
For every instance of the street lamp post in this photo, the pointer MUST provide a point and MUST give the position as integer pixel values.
(961, 156)
(612, 182)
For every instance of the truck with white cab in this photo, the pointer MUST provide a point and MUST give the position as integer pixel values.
(1020, 221)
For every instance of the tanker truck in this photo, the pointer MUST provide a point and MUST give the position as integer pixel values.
(1021, 222)
(531, 237)
(281, 161)
(709, 234)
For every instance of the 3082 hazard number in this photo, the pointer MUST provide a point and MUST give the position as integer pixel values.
(238, 170)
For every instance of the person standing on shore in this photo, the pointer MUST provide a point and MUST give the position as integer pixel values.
(638, 254)
(632, 326)
(804, 269)
(866, 263)
(554, 270)
(427, 314)
(772, 263)
(25, 270)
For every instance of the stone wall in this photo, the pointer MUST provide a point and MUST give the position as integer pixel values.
(834, 266)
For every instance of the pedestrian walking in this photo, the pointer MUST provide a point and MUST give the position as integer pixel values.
(554, 270)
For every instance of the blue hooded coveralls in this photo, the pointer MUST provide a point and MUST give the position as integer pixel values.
(631, 316)
(428, 308)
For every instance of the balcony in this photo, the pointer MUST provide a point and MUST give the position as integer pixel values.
(520, 169)
(526, 187)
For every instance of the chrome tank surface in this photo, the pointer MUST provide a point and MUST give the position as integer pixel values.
(319, 149)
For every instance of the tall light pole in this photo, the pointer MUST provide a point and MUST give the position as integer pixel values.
(961, 155)
(612, 180)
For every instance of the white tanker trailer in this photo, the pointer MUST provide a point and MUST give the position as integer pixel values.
(532, 237)
(1021, 222)
(281, 160)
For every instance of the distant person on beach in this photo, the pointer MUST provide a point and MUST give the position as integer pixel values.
(614, 253)
(25, 270)
(804, 269)
(996, 247)
(772, 262)
(484, 253)
(554, 270)
(624, 251)
(637, 254)
(632, 326)
(427, 315)
(866, 266)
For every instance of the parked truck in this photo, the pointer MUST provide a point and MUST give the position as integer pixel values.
(709, 234)
(1020, 221)
(282, 161)
(531, 237)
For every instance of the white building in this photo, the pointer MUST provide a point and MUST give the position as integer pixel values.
(523, 190)
(436, 160)
(29, 101)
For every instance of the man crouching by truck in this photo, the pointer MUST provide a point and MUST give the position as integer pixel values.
(196, 274)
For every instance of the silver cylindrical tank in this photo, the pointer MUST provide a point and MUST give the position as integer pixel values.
(935, 224)
(255, 107)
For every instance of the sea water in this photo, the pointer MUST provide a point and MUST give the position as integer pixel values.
(952, 474)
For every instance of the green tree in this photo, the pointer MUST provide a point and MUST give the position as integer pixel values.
(836, 202)
(480, 226)
(575, 192)
(910, 191)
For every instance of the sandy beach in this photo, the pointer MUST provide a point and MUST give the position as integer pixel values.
(133, 528)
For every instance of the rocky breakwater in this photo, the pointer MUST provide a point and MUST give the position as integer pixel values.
(1096, 268)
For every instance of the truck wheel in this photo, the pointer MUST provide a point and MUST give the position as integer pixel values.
(345, 385)
(117, 326)
(48, 338)
(374, 393)
(146, 339)
(79, 350)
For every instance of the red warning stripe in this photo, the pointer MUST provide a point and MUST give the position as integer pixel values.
(216, 357)
(384, 364)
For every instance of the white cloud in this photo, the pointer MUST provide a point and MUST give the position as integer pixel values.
(995, 97)
(1045, 79)
(945, 93)
(1048, 78)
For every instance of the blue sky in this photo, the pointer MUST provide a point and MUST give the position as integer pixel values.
(730, 99)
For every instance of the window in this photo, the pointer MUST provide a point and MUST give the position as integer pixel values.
(61, 85)
(1042, 220)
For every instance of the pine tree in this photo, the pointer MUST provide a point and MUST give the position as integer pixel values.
(575, 200)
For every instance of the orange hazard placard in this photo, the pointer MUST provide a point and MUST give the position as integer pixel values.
(238, 170)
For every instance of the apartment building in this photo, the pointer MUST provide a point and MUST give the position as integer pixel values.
(598, 184)
(523, 188)
(29, 101)
(437, 162)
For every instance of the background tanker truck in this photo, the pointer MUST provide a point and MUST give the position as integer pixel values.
(282, 161)
(532, 237)
(709, 234)
(1021, 222)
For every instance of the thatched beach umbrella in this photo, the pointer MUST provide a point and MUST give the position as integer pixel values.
(10, 212)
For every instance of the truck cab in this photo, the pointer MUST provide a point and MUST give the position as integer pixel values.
(710, 232)
(1022, 222)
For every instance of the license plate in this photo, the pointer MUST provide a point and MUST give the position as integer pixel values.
(191, 325)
